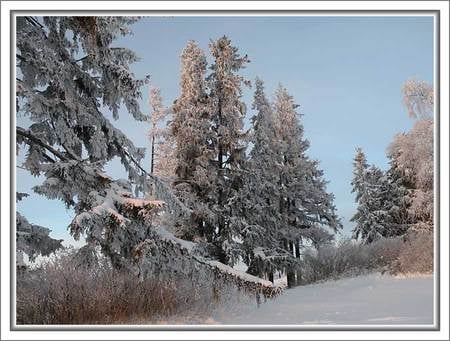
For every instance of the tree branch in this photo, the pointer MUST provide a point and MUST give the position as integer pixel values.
(22, 132)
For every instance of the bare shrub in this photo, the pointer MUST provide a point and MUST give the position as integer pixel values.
(348, 257)
(410, 254)
(416, 255)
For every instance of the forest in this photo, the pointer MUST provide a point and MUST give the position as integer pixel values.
(224, 212)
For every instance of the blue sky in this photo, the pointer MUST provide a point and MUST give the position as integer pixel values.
(345, 72)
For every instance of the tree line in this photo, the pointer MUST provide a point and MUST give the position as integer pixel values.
(400, 199)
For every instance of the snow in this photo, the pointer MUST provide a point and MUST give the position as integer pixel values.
(245, 276)
(369, 299)
(166, 235)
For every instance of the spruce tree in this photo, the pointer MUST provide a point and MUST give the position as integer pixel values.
(69, 77)
(382, 202)
(227, 113)
(259, 197)
(306, 209)
(194, 152)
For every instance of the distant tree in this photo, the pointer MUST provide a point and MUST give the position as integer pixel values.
(399, 201)
(381, 205)
(370, 217)
(360, 167)
(412, 155)
(161, 139)
(418, 97)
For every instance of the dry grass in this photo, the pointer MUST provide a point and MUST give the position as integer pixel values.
(58, 293)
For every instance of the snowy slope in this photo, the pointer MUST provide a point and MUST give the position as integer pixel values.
(370, 299)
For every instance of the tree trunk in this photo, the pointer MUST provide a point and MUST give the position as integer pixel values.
(220, 201)
(291, 272)
(298, 272)
(290, 279)
(152, 164)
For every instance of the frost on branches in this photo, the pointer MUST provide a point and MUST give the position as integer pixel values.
(401, 199)
(258, 204)
(208, 128)
(382, 202)
(68, 72)
(227, 114)
(418, 97)
(306, 208)
(283, 202)
(162, 144)
(412, 155)
(192, 131)
(83, 74)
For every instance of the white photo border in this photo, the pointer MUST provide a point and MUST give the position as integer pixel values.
(197, 8)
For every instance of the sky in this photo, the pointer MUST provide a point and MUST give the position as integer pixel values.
(346, 74)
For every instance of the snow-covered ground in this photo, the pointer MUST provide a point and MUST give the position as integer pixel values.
(369, 299)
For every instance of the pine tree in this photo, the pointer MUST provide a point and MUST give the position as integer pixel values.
(360, 184)
(304, 205)
(227, 113)
(259, 196)
(360, 167)
(192, 131)
(161, 139)
(381, 202)
(398, 202)
(366, 184)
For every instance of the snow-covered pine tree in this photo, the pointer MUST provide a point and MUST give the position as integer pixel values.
(192, 131)
(398, 202)
(67, 72)
(381, 202)
(307, 210)
(227, 113)
(162, 158)
(257, 207)
(365, 184)
(360, 167)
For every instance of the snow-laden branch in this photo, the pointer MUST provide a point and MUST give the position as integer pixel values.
(33, 139)
(156, 256)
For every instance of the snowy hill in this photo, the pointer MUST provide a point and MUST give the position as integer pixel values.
(371, 299)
